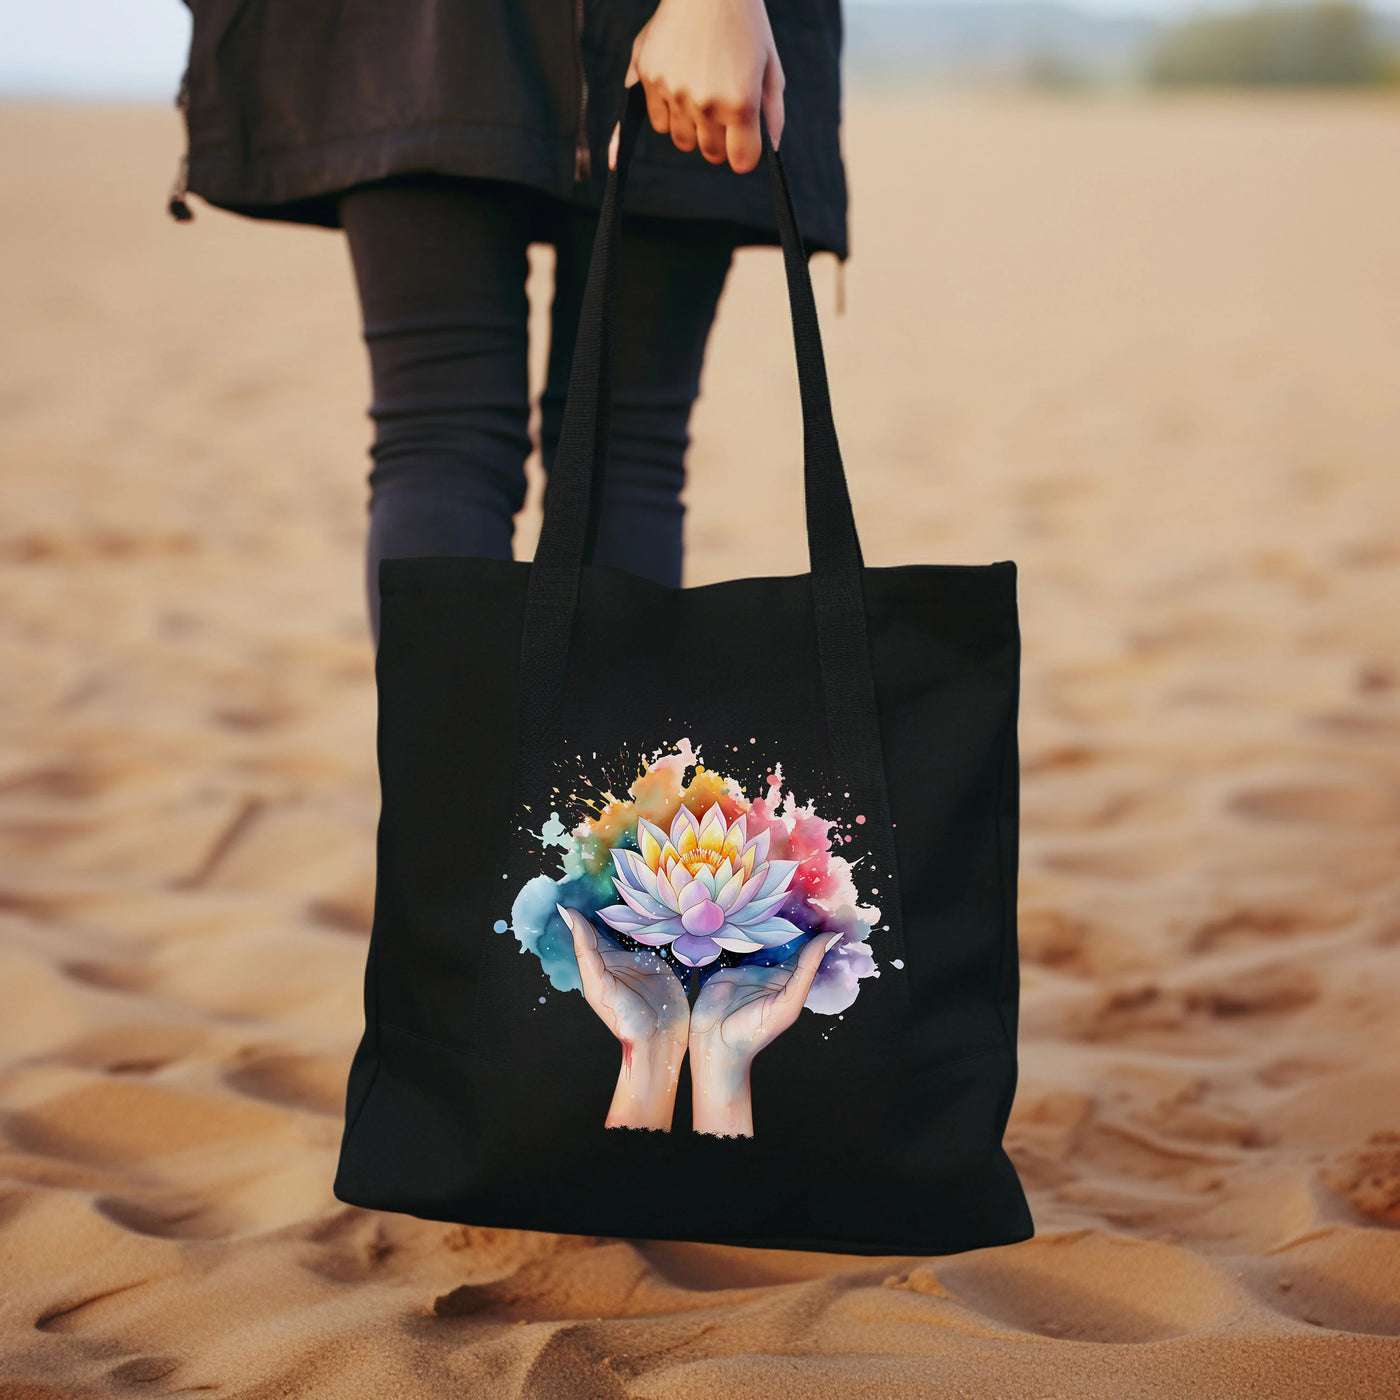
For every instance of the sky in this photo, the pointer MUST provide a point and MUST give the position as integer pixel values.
(136, 48)
(92, 48)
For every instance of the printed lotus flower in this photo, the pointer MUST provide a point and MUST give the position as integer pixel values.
(704, 887)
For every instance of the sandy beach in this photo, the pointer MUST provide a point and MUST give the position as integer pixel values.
(1148, 350)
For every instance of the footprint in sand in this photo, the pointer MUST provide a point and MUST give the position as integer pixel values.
(70, 1317)
(1251, 925)
(1119, 862)
(71, 780)
(1320, 804)
(38, 837)
(255, 717)
(1044, 1133)
(314, 1082)
(1342, 1279)
(1052, 938)
(1136, 1007)
(93, 546)
(1363, 726)
(608, 1279)
(1370, 1177)
(142, 1049)
(711, 1267)
(1260, 991)
(1069, 943)
(349, 910)
(1092, 1287)
(122, 1122)
(352, 1244)
(168, 1218)
(111, 976)
(142, 1370)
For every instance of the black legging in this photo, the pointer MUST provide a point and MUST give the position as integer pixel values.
(441, 267)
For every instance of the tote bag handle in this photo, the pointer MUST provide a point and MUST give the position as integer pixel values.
(573, 506)
(575, 495)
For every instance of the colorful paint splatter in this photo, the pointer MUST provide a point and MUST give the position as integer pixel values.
(687, 879)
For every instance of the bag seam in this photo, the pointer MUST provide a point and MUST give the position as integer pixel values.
(373, 977)
(1009, 731)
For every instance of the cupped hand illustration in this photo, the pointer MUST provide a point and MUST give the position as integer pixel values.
(739, 1011)
(639, 998)
(642, 1002)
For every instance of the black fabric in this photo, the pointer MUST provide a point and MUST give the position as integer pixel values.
(474, 1096)
(289, 105)
(441, 267)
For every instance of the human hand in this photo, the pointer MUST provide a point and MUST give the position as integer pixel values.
(709, 67)
(740, 1010)
(642, 1002)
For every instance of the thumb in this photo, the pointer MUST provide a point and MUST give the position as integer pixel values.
(794, 996)
(773, 84)
(634, 73)
(590, 962)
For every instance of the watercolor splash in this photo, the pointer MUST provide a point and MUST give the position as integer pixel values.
(804, 886)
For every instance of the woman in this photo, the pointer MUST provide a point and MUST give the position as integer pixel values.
(447, 135)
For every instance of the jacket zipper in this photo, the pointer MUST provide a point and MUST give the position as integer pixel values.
(583, 158)
(178, 205)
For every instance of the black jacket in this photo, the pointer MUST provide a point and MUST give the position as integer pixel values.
(290, 102)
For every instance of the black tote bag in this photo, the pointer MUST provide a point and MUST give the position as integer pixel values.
(695, 914)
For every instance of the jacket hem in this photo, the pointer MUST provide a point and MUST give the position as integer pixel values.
(303, 184)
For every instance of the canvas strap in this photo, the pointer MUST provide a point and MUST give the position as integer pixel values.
(573, 505)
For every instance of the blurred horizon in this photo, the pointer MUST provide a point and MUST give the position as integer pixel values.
(95, 50)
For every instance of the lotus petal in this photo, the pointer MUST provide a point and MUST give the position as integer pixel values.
(654, 937)
(713, 829)
(642, 870)
(759, 846)
(684, 821)
(636, 871)
(652, 840)
(750, 889)
(695, 952)
(620, 917)
(735, 944)
(728, 892)
(651, 932)
(704, 919)
(779, 876)
(772, 931)
(666, 892)
(645, 905)
(734, 838)
(756, 910)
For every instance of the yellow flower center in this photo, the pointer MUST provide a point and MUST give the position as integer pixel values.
(700, 856)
